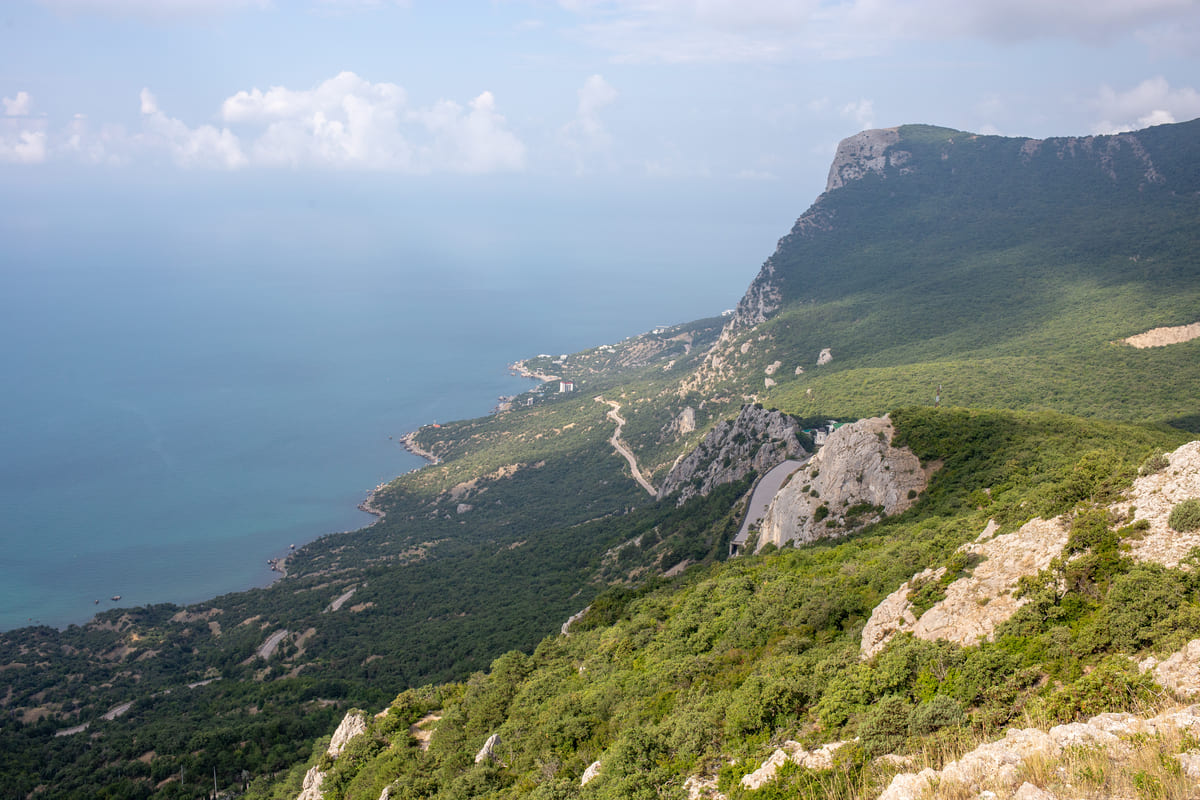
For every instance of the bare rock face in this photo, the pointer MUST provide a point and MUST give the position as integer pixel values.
(819, 759)
(756, 440)
(488, 751)
(857, 466)
(353, 724)
(1179, 672)
(974, 604)
(864, 153)
(705, 788)
(590, 773)
(311, 788)
(1154, 496)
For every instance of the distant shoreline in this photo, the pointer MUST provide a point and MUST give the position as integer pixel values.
(520, 369)
(409, 442)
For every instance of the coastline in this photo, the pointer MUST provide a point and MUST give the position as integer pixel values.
(519, 369)
(409, 442)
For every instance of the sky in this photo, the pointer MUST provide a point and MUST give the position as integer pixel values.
(210, 117)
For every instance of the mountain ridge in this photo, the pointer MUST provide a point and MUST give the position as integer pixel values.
(953, 279)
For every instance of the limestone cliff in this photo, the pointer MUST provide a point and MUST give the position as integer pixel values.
(353, 724)
(757, 439)
(855, 478)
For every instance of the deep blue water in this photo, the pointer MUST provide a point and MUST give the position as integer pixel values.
(178, 407)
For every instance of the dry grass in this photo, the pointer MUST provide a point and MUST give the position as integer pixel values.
(1140, 767)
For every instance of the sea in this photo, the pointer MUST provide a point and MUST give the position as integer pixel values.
(188, 393)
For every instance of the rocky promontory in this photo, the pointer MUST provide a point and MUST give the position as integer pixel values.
(855, 478)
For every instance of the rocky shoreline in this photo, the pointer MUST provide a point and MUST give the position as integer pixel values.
(519, 369)
(409, 442)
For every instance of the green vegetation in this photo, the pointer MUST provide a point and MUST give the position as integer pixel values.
(674, 680)
(1185, 516)
(995, 275)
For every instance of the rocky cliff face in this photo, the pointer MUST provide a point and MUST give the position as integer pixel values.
(353, 724)
(756, 439)
(863, 153)
(856, 478)
(1135, 161)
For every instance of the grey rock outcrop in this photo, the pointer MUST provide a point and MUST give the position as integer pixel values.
(864, 153)
(1179, 672)
(310, 789)
(819, 759)
(353, 724)
(975, 604)
(756, 439)
(856, 466)
(1152, 498)
(488, 751)
(996, 768)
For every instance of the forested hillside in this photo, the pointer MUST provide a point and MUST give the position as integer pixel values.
(994, 277)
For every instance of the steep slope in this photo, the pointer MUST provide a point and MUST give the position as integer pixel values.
(701, 684)
(1003, 270)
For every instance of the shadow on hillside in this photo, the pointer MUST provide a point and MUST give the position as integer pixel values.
(1189, 423)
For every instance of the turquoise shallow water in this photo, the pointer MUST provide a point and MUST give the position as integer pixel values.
(178, 409)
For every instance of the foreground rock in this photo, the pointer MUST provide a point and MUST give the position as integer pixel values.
(977, 603)
(819, 759)
(1005, 768)
(757, 439)
(856, 478)
(1153, 497)
(1179, 672)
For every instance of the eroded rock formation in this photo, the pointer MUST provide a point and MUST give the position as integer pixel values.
(856, 478)
(756, 439)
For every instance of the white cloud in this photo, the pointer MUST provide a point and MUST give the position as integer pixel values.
(473, 141)
(1151, 102)
(585, 135)
(862, 112)
(22, 145)
(22, 140)
(756, 175)
(108, 145)
(1087, 21)
(17, 106)
(345, 122)
(342, 122)
(203, 146)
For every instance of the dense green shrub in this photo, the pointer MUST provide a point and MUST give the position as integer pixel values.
(1154, 463)
(936, 713)
(1185, 516)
